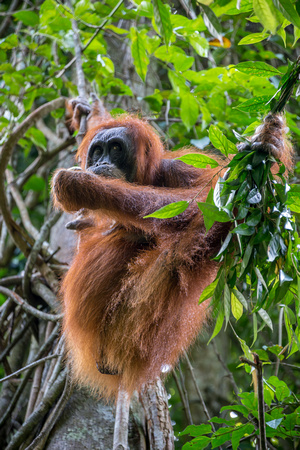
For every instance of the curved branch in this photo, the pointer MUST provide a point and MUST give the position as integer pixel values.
(21, 239)
(30, 309)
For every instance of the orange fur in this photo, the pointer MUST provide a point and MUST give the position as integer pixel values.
(131, 294)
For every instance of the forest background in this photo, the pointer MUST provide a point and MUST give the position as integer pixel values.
(204, 74)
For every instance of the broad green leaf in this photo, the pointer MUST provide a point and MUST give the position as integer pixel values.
(266, 318)
(265, 12)
(288, 10)
(246, 257)
(168, 211)
(116, 30)
(35, 183)
(219, 324)
(198, 443)
(236, 307)
(139, 54)
(255, 104)
(208, 291)
(199, 43)
(211, 212)
(254, 196)
(254, 218)
(244, 430)
(211, 21)
(37, 137)
(257, 68)
(296, 35)
(182, 62)
(225, 244)
(189, 110)
(241, 298)
(293, 201)
(9, 42)
(253, 38)
(227, 303)
(244, 230)
(177, 82)
(260, 277)
(162, 20)
(220, 141)
(29, 18)
(196, 430)
(198, 160)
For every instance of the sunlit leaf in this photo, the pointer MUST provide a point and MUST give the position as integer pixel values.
(189, 110)
(168, 211)
(265, 12)
(198, 160)
(253, 38)
(257, 68)
(220, 141)
(162, 19)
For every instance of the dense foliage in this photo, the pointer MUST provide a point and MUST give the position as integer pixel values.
(204, 73)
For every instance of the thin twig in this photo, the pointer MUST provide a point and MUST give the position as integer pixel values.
(39, 412)
(28, 308)
(29, 366)
(191, 369)
(19, 236)
(45, 347)
(17, 336)
(53, 218)
(229, 374)
(182, 396)
(40, 441)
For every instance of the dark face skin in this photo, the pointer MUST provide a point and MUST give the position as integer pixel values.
(111, 154)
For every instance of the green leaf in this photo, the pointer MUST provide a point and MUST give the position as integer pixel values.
(189, 110)
(37, 137)
(162, 20)
(236, 307)
(266, 318)
(293, 201)
(35, 183)
(241, 298)
(208, 291)
(199, 43)
(254, 196)
(29, 18)
(255, 104)
(168, 211)
(257, 68)
(211, 21)
(244, 430)
(139, 54)
(196, 430)
(198, 443)
(288, 10)
(265, 12)
(244, 230)
(219, 324)
(9, 42)
(211, 212)
(220, 141)
(198, 160)
(227, 302)
(182, 62)
(253, 38)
